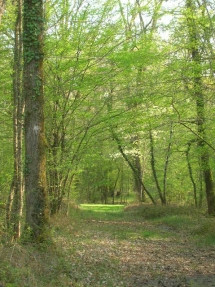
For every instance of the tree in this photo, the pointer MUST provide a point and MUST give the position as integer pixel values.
(110, 80)
(15, 200)
(140, 32)
(198, 94)
(2, 7)
(36, 192)
(9, 34)
(77, 79)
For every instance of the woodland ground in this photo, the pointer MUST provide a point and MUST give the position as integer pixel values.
(111, 246)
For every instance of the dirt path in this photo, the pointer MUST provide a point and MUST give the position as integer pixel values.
(111, 254)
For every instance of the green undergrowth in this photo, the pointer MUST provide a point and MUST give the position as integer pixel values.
(164, 221)
(116, 223)
(185, 219)
(150, 212)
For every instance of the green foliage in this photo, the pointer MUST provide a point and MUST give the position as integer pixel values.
(99, 82)
(6, 127)
(108, 72)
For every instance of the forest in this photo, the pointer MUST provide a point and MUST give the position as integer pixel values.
(105, 102)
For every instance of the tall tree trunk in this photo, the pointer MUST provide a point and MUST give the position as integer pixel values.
(200, 106)
(14, 205)
(37, 207)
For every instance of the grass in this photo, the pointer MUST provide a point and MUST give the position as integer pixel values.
(169, 218)
(110, 215)
(102, 212)
(185, 219)
(85, 231)
(103, 207)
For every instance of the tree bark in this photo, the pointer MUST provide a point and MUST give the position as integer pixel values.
(15, 199)
(200, 106)
(137, 180)
(191, 173)
(168, 153)
(37, 207)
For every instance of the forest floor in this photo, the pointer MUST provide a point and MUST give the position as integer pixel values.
(112, 247)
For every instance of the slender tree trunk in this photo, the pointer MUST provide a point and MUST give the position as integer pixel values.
(191, 174)
(137, 179)
(154, 169)
(56, 177)
(167, 161)
(200, 106)
(2, 8)
(37, 207)
(201, 190)
(114, 187)
(14, 205)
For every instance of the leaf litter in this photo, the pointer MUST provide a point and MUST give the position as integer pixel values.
(106, 253)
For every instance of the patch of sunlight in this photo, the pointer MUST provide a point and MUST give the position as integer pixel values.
(102, 207)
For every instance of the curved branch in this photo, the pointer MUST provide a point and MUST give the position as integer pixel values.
(131, 166)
